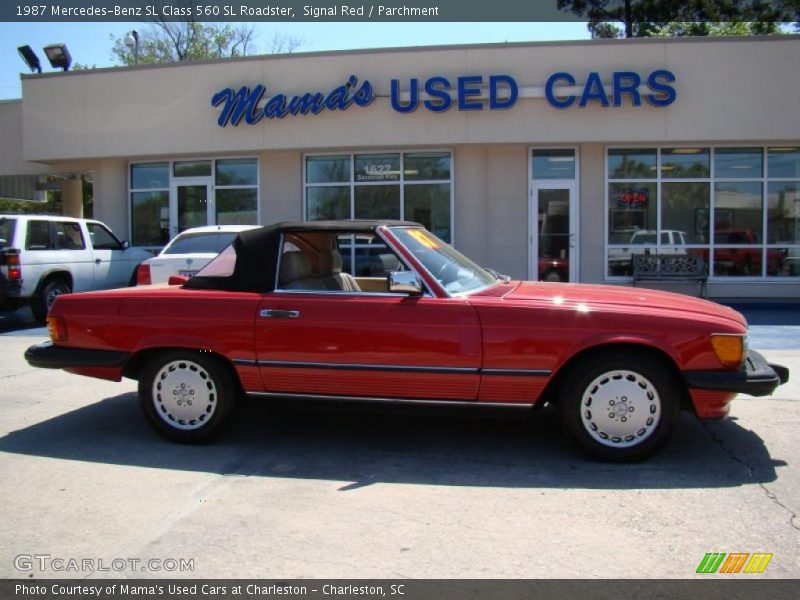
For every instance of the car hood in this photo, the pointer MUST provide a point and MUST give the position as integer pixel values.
(607, 297)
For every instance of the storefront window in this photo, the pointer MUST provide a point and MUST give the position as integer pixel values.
(685, 208)
(632, 163)
(783, 212)
(191, 168)
(554, 164)
(685, 163)
(327, 203)
(328, 169)
(150, 218)
(237, 206)
(716, 213)
(411, 186)
(150, 176)
(783, 163)
(237, 171)
(377, 202)
(737, 163)
(163, 201)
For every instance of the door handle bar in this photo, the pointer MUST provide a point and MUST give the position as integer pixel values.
(270, 313)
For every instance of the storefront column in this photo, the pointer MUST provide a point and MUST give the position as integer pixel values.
(72, 197)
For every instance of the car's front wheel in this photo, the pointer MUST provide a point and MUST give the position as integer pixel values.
(186, 395)
(622, 406)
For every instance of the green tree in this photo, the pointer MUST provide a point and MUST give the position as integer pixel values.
(176, 41)
(647, 18)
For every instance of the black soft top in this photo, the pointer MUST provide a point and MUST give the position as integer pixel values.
(257, 253)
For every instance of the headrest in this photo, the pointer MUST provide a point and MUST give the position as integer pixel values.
(330, 263)
(294, 265)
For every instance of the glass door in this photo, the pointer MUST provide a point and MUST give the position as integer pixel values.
(553, 240)
(192, 205)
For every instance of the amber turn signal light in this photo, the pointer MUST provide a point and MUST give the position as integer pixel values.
(730, 349)
(57, 328)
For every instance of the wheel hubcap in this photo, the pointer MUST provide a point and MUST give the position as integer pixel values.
(620, 409)
(51, 297)
(184, 394)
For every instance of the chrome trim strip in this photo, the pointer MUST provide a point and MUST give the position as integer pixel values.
(518, 372)
(404, 401)
(244, 362)
(358, 367)
(342, 293)
(396, 368)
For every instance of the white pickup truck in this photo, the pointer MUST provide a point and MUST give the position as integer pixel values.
(44, 256)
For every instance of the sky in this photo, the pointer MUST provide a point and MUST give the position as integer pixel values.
(90, 43)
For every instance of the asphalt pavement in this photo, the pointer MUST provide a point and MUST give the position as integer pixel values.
(343, 494)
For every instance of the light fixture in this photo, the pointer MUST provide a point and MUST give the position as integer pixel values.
(132, 42)
(59, 56)
(30, 58)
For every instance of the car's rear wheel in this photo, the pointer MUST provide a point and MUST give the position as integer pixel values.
(622, 406)
(186, 395)
(43, 301)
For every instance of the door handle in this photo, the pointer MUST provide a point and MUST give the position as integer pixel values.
(97, 261)
(279, 314)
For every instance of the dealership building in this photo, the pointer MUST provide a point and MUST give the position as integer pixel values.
(540, 160)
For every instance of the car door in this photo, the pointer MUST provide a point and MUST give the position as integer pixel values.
(112, 268)
(368, 344)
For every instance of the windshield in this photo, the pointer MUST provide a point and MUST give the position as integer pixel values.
(455, 272)
(6, 231)
(200, 243)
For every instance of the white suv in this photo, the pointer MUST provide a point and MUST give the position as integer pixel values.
(44, 256)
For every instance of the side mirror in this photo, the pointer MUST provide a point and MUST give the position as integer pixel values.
(126, 244)
(404, 282)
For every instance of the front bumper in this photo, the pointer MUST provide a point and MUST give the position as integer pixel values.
(757, 377)
(48, 356)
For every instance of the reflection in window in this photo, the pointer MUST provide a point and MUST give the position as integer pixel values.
(426, 166)
(742, 216)
(237, 206)
(150, 218)
(738, 212)
(327, 169)
(631, 211)
(413, 186)
(554, 164)
(149, 176)
(737, 262)
(237, 171)
(429, 204)
(685, 163)
(326, 203)
(685, 209)
(192, 168)
(783, 212)
(783, 163)
(377, 202)
(737, 163)
(632, 163)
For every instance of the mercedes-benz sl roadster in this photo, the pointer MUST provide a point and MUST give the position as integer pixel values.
(385, 311)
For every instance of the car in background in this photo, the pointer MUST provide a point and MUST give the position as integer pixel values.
(276, 315)
(188, 252)
(43, 256)
(619, 259)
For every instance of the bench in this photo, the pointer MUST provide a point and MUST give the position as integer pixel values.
(670, 267)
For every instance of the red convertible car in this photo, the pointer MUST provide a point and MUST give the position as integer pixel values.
(277, 314)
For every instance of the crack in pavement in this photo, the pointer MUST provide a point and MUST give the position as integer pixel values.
(771, 496)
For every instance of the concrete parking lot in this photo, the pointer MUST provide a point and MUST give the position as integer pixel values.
(335, 494)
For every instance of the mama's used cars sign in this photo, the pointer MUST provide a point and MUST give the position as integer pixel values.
(469, 92)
